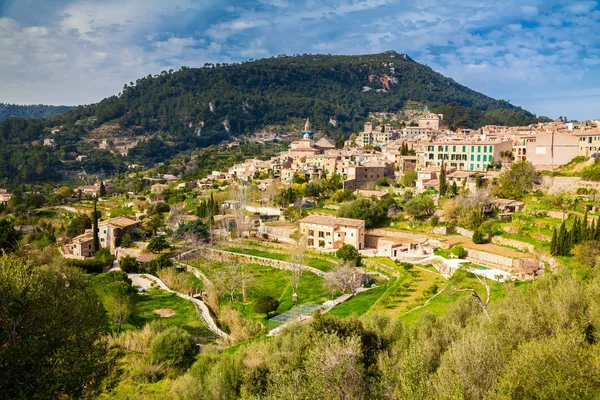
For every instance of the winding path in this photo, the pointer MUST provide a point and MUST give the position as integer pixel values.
(146, 280)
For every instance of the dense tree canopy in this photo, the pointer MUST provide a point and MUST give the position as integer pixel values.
(50, 324)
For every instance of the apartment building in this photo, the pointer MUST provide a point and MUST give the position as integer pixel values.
(464, 155)
(554, 148)
(328, 232)
(361, 175)
(588, 143)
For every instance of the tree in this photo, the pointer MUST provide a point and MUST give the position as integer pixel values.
(78, 225)
(51, 329)
(409, 178)
(129, 264)
(478, 237)
(458, 251)
(154, 223)
(103, 255)
(518, 180)
(587, 253)
(9, 237)
(197, 229)
(174, 346)
(442, 180)
(158, 244)
(420, 206)
(96, 240)
(342, 278)
(266, 305)
(298, 255)
(456, 284)
(63, 192)
(372, 212)
(102, 190)
(349, 254)
(117, 295)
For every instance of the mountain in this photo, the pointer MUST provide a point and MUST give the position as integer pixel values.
(195, 107)
(31, 111)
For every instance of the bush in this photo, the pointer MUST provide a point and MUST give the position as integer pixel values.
(89, 266)
(478, 237)
(434, 221)
(266, 305)
(129, 264)
(158, 244)
(174, 346)
(348, 253)
(104, 256)
(160, 207)
(458, 251)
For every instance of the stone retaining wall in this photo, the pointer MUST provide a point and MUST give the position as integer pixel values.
(269, 262)
(490, 259)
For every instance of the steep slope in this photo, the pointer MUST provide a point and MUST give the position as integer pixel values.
(31, 111)
(195, 107)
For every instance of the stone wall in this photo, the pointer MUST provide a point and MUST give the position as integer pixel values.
(565, 184)
(486, 258)
(269, 262)
(513, 243)
(464, 232)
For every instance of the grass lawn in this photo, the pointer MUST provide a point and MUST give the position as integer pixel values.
(156, 299)
(275, 283)
(362, 302)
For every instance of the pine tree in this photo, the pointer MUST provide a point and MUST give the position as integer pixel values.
(96, 240)
(443, 183)
(553, 243)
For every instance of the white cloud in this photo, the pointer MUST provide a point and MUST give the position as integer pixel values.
(506, 49)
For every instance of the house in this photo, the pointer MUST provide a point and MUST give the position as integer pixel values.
(329, 232)
(112, 230)
(5, 198)
(378, 194)
(506, 206)
(81, 246)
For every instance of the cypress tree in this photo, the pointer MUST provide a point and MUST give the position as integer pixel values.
(102, 189)
(597, 230)
(575, 231)
(553, 243)
(443, 183)
(454, 188)
(96, 240)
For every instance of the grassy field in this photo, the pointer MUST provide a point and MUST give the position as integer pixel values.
(157, 299)
(272, 282)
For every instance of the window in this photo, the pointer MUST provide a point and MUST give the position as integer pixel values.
(102, 240)
(479, 149)
(471, 167)
(478, 157)
(464, 148)
(484, 157)
(321, 234)
(472, 157)
(352, 234)
(89, 246)
(446, 148)
(472, 148)
(328, 233)
(105, 231)
(311, 233)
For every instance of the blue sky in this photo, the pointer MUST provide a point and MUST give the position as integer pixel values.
(542, 55)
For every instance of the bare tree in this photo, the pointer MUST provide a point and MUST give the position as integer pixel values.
(343, 278)
(455, 286)
(297, 258)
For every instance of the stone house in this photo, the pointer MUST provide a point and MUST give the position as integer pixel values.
(329, 232)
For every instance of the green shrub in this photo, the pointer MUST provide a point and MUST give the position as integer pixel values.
(348, 253)
(458, 251)
(174, 346)
(478, 237)
(89, 266)
(129, 264)
(266, 305)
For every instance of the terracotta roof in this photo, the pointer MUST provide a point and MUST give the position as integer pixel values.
(120, 222)
(328, 220)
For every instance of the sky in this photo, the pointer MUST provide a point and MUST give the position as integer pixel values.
(541, 55)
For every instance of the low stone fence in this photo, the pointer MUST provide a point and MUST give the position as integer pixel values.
(464, 232)
(499, 240)
(269, 262)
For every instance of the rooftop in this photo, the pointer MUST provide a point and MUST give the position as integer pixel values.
(328, 220)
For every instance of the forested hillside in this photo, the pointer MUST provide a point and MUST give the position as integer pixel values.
(196, 107)
(31, 111)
